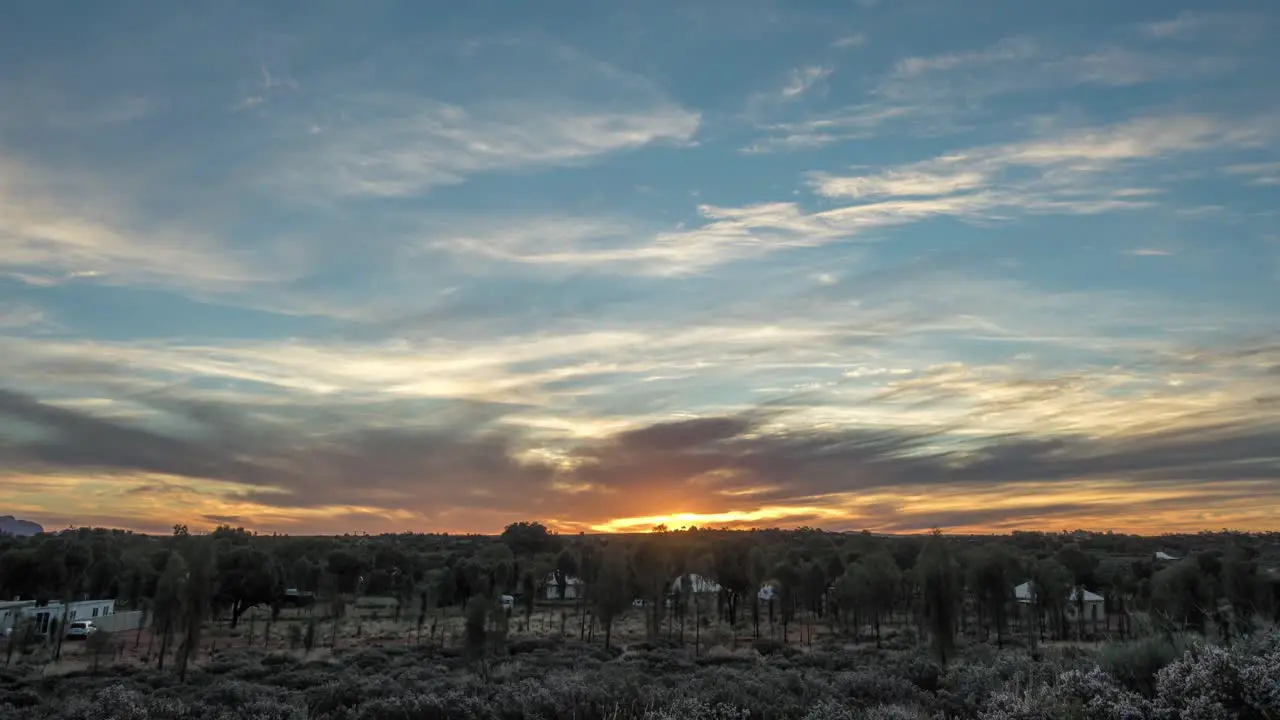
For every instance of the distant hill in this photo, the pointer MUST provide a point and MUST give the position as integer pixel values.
(14, 526)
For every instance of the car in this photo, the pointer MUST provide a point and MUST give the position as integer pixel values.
(80, 629)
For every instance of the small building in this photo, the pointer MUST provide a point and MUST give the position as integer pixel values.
(46, 615)
(700, 585)
(551, 588)
(1094, 606)
(1095, 609)
(11, 611)
(768, 592)
(1162, 556)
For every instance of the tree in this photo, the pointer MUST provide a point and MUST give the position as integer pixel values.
(196, 603)
(652, 566)
(1181, 594)
(613, 589)
(940, 590)
(170, 593)
(882, 578)
(1050, 587)
(529, 538)
(246, 577)
(345, 568)
(991, 580)
(528, 593)
(566, 567)
(474, 627)
(757, 573)
(850, 594)
(98, 645)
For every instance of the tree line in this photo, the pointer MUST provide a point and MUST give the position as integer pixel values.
(843, 583)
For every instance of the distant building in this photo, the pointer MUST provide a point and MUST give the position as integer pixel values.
(768, 592)
(45, 615)
(551, 587)
(1095, 609)
(1095, 606)
(1162, 556)
(700, 585)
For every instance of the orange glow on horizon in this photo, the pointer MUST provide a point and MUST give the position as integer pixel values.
(58, 500)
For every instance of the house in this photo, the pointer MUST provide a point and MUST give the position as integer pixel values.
(1094, 606)
(45, 615)
(551, 587)
(1162, 556)
(768, 592)
(1095, 609)
(698, 584)
(11, 611)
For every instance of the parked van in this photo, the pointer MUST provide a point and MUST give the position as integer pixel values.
(80, 629)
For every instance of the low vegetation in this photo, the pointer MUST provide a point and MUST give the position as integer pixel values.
(530, 624)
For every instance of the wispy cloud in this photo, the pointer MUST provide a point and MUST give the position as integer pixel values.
(939, 94)
(1264, 173)
(394, 144)
(54, 230)
(403, 146)
(850, 41)
(1075, 172)
(1066, 169)
(1192, 25)
(803, 80)
(21, 316)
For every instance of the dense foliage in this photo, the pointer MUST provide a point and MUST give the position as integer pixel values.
(852, 625)
(574, 681)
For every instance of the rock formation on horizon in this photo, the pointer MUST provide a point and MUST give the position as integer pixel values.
(13, 526)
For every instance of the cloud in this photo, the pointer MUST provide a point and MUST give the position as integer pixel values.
(1262, 173)
(404, 147)
(1077, 171)
(803, 80)
(850, 41)
(1190, 25)
(22, 316)
(941, 94)
(1066, 171)
(755, 466)
(55, 229)
(899, 183)
(531, 106)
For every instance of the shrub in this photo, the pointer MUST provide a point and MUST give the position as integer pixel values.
(1135, 664)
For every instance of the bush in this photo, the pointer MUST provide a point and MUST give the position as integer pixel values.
(413, 683)
(1135, 664)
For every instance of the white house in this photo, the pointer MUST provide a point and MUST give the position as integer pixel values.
(572, 587)
(10, 611)
(1094, 604)
(44, 615)
(1095, 608)
(698, 584)
(1162, 556)
(767, 592)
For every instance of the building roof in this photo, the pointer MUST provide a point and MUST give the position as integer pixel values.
(1088, 596)
(1024, 593)
(700, 584)
(571, 580)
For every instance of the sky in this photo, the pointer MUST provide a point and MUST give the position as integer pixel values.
(396, 266)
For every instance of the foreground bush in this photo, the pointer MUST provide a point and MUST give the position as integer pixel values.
(1203, 683)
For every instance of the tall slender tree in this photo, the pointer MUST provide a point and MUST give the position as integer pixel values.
(196, 600)
(170, 594)
(940, 590)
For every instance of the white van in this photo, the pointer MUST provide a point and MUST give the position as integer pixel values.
(80, 629)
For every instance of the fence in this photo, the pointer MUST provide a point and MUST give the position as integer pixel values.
(120, 621)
